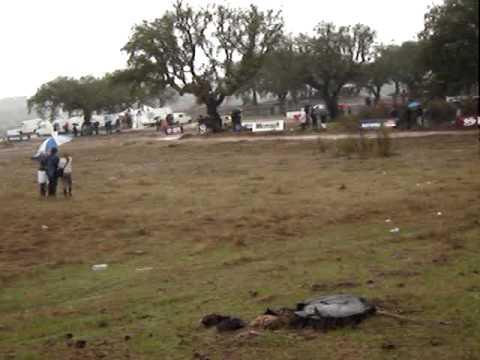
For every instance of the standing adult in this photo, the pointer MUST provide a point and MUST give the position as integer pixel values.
(308, 115)
(66, 166)
(42, 175)
(108, 124)
(75, 130)
(52, 172)
(237, 120)
(315, 114)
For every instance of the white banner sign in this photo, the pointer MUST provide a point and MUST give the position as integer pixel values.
(265, 126)
(471, 121)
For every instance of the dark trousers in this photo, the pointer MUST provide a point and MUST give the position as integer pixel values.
(43, 190)
(52, 185)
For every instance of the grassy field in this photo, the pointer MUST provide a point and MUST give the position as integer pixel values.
(192, 229)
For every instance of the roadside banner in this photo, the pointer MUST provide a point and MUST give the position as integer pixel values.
(469, 122)
(264, 126)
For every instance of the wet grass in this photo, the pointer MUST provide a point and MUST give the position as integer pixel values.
(197, 228)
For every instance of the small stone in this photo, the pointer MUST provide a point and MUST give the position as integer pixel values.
(81, 344)
(253, 294)
(127, 338)
(389, 346)
(435, 342)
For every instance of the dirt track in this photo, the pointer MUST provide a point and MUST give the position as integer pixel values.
(397, 135)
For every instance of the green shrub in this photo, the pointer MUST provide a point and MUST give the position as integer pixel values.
(380, 111)
(384, 142)
(440, 111)
(346, 147)
(322, 146)
(470, 107)
(362, 146)
(348, 123)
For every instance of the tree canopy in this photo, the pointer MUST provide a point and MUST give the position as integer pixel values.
(210, 53)
(113, 93)
(281, 74)
(334, 57)
(69, 95)
(451, 52)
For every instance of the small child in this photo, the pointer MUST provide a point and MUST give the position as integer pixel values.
(42, 175)
(66, 167)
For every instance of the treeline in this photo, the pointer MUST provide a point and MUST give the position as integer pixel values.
(218, 51)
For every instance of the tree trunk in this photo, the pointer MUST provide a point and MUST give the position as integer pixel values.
(332, 105)
(215, 121)
(254, 97)
(282, 99)
(378, 94)
(87, 116)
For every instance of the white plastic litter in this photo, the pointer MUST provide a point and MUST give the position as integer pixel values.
(439, 213)
(44, 227)
(388, 221)
(145, 269)
(100, 267)
(395, 230)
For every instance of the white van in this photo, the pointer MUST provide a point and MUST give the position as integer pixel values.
(181, 118)
(29, 127)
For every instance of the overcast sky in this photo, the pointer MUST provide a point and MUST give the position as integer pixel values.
(43, 39)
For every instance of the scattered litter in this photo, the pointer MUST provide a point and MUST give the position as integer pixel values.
(395, 231)
(330, 312)
(140, 252)
(429, 183)
(388, 221)
(44, 227)
(145, 269)
(100, 267)
(223, 323)
(269, 322)
(384, 173)
(439, 213)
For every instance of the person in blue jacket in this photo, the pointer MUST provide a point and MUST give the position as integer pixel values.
(52, 172)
